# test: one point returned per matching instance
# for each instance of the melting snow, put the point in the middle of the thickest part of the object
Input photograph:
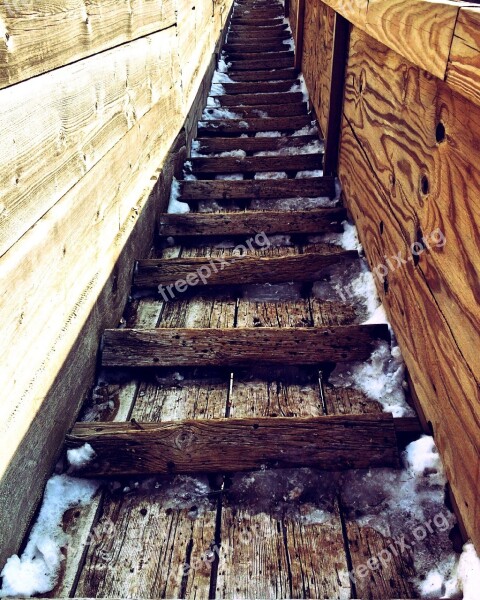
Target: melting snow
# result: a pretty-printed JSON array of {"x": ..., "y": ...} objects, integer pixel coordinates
[
  {"x": 271, "y": 175},
  {"x": 80, "y": 457},
  {"x": 175, "y": 206}
]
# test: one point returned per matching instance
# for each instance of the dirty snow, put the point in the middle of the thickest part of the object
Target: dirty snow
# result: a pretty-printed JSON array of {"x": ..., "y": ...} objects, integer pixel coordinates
[
  {"x": 218, "y": 113},
  {"x": 268, "y": 134},
  {"x": 310, "y": 148},
  {"x": 36, "y": 571},
  {"x": 80, "y": 457},
  {"x": 311, "y": 173},
  {"x": 230, "y": 177},
  {"x": 271, "y": 175}
]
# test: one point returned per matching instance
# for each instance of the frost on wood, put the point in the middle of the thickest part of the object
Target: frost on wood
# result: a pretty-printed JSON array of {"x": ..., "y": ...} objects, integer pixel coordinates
[{"x": 36, "y": 571}]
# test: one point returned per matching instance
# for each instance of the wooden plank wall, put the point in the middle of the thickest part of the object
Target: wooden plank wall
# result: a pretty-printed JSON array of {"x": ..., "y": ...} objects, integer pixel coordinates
[
  {"x": 87, "y": 151},
  {"x": 407, "y": 168}
]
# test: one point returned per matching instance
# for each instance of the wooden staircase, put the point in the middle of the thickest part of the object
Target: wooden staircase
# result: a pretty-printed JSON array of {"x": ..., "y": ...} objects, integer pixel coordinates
[{"x": 216, "y": 382}]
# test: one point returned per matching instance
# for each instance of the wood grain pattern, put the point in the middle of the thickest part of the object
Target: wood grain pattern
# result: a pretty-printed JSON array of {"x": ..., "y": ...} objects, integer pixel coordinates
[
  {"x": 258, "y": 98},
  {"x": 250, "y": 223},
  {"x": 290, "y": 109},
  {"x": 237, "y": 444},
  {"x": 43, "y": 35},
  {"x": 317, "y": 57},
  {"x": 237, "y": 270},
  {"x": 355, "y": 12},
  {"x": 254, "y": 144},
  {"x": 87, "y": 108},
  {"x": 392, "y": 137},
  {"x": 204, "y": 347},
  {"x": 463, "y": 72},
  {"x": 262, "y": 87},
  {"x": 193, "y": 191},
  {"x": 265, "y": 75}
]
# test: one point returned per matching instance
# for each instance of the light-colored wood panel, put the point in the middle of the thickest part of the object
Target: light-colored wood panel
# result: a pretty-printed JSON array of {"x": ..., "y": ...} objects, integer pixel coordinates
[
  {"x": 55, "y": 128},
  {"x": 62, "y": 263},
  {"x": 354, "y": 11},
  {"x": 419, "y": 30},
  {"x": 463, "y": 73},
  {"x": 42, "y": 35},
  {"x": 388, "y": 144}
]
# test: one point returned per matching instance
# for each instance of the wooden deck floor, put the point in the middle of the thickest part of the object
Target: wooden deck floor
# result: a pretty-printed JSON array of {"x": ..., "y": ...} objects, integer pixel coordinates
[{"x": 269, "y": 533}]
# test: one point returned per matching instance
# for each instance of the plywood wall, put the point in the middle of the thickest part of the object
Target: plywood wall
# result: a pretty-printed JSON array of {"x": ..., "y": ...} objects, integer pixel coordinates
[
  {"x": 408, "y": 172},
  {"x": 82, "y": 147}
]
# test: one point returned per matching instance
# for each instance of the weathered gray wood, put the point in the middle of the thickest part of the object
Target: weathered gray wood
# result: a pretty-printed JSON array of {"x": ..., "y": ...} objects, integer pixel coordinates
[
  {"x": 238, "y": 270},
  {"x": 260, "y": 144},
  {"x": 193, "y": 191},
  {"x": 257, "y": 48},
  {"x": 258, "y": 64},
  {"x": 262, "y": 87},
  {"x": 229, "y": 445},
  {"x": 257, "y": 21},
  {"x": 229, "y": 347},
  {"x": 256, "y": 164},
  {"x": 251, "y": 223},
  {"x": 252, "y": 125},
  {"x": 254, "y": 98}
]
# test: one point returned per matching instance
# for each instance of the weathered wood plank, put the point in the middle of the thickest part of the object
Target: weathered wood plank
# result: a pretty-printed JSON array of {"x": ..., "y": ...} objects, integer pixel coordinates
[
  {"x": 439, "y": 292},
  {"x": 41, "y": 36},
  {"x": 269, "y": 62},
  {"x": 290, "y": 109},
  {"x": 239, "y": 126},
  {"x": 250, "y": 223},
  {"x": 265, "y": 75},
  {"x": 262, "y": 87},
  {"x": 463, "y": 72},
  {"x": 244, "y": 54},
  {"x": 238, "y": 37},
  {"x": 256, "y": 47},
  {"x": 355, "y": 12},
  {"x": 193, "y": 191},
  {"x": 87, "y": 109},
  {"x": 255, "y": 164},
  {"x": 253, "y": 99},
  {"x": 175, "y": 347},
  {"x": 237, "y": 270},
  {"x": 229, "y": 445},
  {"x": 257, "y": 21},
  {"x": 256, "y": 144}
]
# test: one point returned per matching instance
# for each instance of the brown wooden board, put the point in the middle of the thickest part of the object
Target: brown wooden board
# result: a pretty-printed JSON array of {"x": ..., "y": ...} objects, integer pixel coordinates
[
  {"x": 247, "y": 55},
  {"x": 290, "y": 109},
  {"x": 252, "y": 125},
  {"x": 269, "y": 62},
  {"x": 236, "y": 270},
  {"x": 254, "y": 98},
  {"x": 225, "y": 164},
  {"x": 463, "y": 71},
  {"x": 229, "y": 445},
  {"x": 193, "y": 191},
  {"x": 257, "y": 47},
  {"x": 250, "y": 223},
  {"x": 264, "y": 75},
  {"x": 207, "y": 347},
  {"x": 256, "y": 144},
  {"x": 262, "y": 87}
]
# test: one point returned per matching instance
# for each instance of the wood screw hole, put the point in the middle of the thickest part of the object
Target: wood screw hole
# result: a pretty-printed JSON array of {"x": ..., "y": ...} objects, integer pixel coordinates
[
  {"x": 440, "y": 133},
  {"x": 425, "y": 185}
]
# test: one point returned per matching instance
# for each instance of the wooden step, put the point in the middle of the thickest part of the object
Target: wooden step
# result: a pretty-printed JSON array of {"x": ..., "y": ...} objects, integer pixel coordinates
[
  {"x": 238, "y": 37},
  {"x": 171, "y": 347},
  {"x": 269, "y": 62},
  {"x": 258, "y": 13},
  {"x": 246, "y": 55},
  {"x": 251, "y": 98},
  {"x": 257, "y": 48},
  {"x": 236, "y": 270},
  {"x": 310, "y": 187},
  {"x": 256, "y": 164},
  {"x": 250, "y": 223},
  {"x": 262, "y": 87},
  {"x": 275, "y": 110},
  {"x": 254, "y": 144},
  {"x": 259, "y": 27},
  {"x": 225, "y": 445},
  {"x": 265, "y": 75},
  {"x": 258, "y": 21},
  {"x": 239, "y": 126}
]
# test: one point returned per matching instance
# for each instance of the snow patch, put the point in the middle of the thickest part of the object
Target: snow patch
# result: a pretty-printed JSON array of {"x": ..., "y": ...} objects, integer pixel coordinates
[
  {"x": 307, "y": 174},
  {"x": 349, "y": 239},
  {"x": 268, "y": 134},
  {"x": 218, "y": 113},
  {"x": 271, "y": 175},
  {"x": 37, "y": 570},
  {"x": 80, "y": 457},
  {"x": 230, "y": 177},
  {"x": 175, "y": 207}
]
